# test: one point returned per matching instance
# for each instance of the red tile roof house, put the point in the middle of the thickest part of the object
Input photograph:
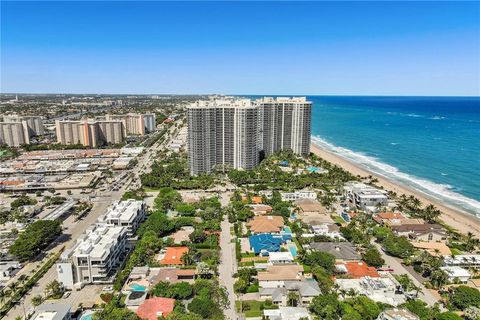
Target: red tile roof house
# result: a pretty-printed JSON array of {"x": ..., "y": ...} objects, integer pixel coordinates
[
  {"x": 153, "y": 308},
  {"x": 357, "y": 270}
]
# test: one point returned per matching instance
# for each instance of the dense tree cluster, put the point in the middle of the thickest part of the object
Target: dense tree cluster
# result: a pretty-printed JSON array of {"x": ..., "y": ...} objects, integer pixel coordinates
[{"x": 37, "y": 236}]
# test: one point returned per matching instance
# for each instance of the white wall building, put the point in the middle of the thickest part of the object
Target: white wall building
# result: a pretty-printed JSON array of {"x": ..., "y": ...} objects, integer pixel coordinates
[
  {"x": 457, "y": 273},
  {"x": 365, "y": 197},
  {"x": 301, "y": 194},
  {"x": 463, "y": 260},
  {"x": 378, "y": 289},
  {"x": 94, "y": 258},
  {"x": 14, "y": 134},
  {"x": 129, "y": 214},
  {"x": 52, "y": 311},
  {"x": 397, "y": 314}
]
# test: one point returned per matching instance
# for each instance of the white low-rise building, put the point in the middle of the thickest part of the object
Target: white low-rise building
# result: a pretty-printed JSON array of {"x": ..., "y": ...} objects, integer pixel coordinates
[
  {"x": 287, "y": 313},
  {"x": 463, "y": 260},
  {"x": 397, "y": 314},
  {"x": 129, "y": 213},
  {"x": 95, "y": 257},
  {"x": 385, "y": 290},
  {"x": 365, "y": 197},
  {"x": 52, "y": 311},
  {"x": 330, "y": 230},
  {"x": 280, "y": 257},
  {"x": 457, "y": 274},
  {"x": 301, "y": 194}
]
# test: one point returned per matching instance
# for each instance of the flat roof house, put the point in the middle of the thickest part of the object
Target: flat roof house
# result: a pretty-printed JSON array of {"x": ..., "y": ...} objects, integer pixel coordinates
[
  {"x": 397, "y": 314},
  {"x": 287, "y": 313},
  {"x": 129, "y": 214},
  {"x": 52, "y": 311}
]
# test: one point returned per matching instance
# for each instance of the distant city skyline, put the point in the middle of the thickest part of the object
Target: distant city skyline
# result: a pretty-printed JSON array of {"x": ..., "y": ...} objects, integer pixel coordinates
[{"x": 242, "y": 48}]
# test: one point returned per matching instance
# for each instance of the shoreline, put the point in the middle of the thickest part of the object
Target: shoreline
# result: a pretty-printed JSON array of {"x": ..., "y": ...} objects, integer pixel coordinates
[{"x": 459, "y": 220}]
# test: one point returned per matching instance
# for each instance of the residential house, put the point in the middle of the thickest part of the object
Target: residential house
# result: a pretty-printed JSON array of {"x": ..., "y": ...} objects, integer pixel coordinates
[
  {"x": 356, "y": 270},
  {"x": 463, "y": 260},
  {"x": 52, "y": 311},
  {"x": 330, "y": 230},
  {"x": 421, "y": 232},
  {"x": 457, "y": 274},
  {"x": 174, "y": 275},
  {"x": 287, "y": 313},
  {"x": 260, "y": 209},
  {"x": 397, "y": 314},
  {"x": 266, "y": 224},
  {"x": 276, "y": 275},
  {"x": 280, "y": 258},
  {"x": 365, "y": 197},
  {"x": 309, "y": 206},
  {"x": 172, "y": 256},
  {"x": 343, "y": 251},
  {"x": 383, "y": 289},
  {"x": 153, "y": 308},
  {"x": 305, "y": 289},
  {"x": 301, "y": 194},
  {"x": 265, "y": 243}
]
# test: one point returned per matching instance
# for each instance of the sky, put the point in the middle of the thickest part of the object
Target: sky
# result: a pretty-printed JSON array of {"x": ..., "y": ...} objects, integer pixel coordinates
[{"x": 324, "y": 48}]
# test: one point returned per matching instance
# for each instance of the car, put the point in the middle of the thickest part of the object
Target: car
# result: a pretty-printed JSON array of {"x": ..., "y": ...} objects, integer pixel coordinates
[
  {"x": 107, "y": 289},
  {"x": 66, "y": 295}
]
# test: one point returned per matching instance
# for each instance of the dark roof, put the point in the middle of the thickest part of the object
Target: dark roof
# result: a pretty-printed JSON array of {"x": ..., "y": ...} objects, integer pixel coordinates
[{"x": 341, "y": 250}]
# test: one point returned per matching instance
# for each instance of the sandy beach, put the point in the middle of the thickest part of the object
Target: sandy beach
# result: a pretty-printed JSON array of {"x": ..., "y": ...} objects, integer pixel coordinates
[{"x": 463, "y": 222}]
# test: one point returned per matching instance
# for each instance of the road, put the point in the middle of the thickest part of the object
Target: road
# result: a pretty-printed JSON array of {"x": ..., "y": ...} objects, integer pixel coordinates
[
  {"x": 72, "y": 230},
  {"x": 399, "y": 268},
  {"x": 228, "y": 262}
]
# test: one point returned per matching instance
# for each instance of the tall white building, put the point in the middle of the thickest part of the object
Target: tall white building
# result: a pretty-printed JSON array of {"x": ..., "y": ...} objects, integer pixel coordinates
[
  {"x": 236, "y": 133},
  {"x": 222, "y": 133},
  {"x": 284, "y": 123},
  {"x": 95, "y": 257}
]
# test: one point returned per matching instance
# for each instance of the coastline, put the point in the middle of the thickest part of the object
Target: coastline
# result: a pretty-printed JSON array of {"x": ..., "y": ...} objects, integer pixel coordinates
[{"x": 459, "y": 220}]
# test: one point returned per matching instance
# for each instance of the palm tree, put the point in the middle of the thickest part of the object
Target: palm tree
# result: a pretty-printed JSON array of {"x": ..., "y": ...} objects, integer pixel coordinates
[
  {"x": 471, "y": 242},
  {"x": 292, "y": 298},
  {"x": 187, "y": 258}
]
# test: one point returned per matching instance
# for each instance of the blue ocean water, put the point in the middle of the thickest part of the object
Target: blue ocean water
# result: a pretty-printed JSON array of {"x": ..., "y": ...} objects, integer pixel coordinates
[{"x": 429, "y": 143}]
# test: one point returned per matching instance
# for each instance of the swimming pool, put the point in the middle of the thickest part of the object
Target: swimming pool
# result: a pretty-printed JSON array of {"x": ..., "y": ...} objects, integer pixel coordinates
[
  {"x": 293, "y": 249},
  {"x": 137, "y": 287},
  {"x": 287, "y": 229}
]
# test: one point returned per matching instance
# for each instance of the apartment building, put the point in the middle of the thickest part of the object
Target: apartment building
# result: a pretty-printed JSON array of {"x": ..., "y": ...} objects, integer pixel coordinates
[
  {"x": 284, "y": 124},
  {"x": 135, "y": 124},
  {"x": 129, "y": 214},
  {"x": 222, "y": 133},
  {"x": 236, "y": 133},
  {"x": 34, "y": 124},
  {"x": 90, "y": 133},
  {"x": 14, "y": 134},
  {"x": 95, "y": 257}
]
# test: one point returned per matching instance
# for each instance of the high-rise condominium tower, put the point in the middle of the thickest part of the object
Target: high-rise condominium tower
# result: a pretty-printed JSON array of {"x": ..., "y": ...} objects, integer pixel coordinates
[
  {"x": 234, "y": 133},
  {"x": 90, "y": 133},
  {"x": 222, "y": 134},
  {"x": 284, "y": 123}
]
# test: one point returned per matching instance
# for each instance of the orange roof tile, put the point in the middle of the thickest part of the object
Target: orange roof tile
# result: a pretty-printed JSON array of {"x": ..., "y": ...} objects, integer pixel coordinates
[
  {"x": 173, "y": 255},
  {"x": 358, "y": 270},
  {"x": 390, "y": 215},
  {"x": 153, "y": 308}
]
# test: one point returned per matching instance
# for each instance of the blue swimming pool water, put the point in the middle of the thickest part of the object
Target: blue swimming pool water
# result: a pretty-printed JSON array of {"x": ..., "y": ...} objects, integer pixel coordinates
[
  {"x": 287, "y": 229},
  {"x": 293, "y": 250},
  {"x": 87, "y": 317},
  {"x": 137, "y": 287}
]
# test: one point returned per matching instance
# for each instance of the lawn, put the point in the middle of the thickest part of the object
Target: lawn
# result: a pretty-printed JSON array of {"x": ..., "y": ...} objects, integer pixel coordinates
[{"x": 253, "y": 308}]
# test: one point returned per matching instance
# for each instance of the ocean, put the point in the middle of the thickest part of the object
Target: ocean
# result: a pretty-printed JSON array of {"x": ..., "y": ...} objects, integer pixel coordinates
[{"x": 431, "y": 144}]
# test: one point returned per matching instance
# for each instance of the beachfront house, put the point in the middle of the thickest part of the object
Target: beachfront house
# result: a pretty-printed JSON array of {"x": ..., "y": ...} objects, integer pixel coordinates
[{"x": 365, "y": 197}]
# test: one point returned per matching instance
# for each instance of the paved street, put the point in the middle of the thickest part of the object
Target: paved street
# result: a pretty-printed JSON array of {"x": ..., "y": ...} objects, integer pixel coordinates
[
  {"x": 227, "y": 267},
  {"x": 398, "y": 268},
  {"x": 72, "y": 230}
]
